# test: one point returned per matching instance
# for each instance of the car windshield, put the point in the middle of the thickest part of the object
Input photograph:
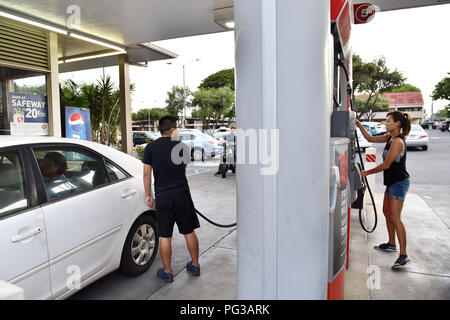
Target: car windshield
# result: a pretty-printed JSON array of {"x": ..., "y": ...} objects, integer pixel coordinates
[{"x": 416, "y": 128}]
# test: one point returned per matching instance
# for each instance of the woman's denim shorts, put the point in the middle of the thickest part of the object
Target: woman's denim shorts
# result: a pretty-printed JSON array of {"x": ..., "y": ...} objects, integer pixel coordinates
[{"x": 398, "y": 190}]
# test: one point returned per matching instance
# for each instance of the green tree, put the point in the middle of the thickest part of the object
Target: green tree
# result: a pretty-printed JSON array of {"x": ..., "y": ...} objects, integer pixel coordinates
[
  {"x": 382, "y": 104},
  {"x": 223, "y": 78},
  {"x": 202, "y": 102},
  {"x": 404, "y": 88},
  {"x": 41, "y": 90},
  {"x": 442, "y": 92},
  {"x": 442, "y": 114},
  {"x": 372, "y": 79},
  {"x": 213, "y": 105},
  {"x": 177, "y": 97},
  {"x": 155, "y": 114},
  {"x": 442, "y": 89}
]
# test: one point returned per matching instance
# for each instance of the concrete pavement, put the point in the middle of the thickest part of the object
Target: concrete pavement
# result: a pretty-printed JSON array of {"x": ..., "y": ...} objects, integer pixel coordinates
[
  {"x": 369, "y": 276},
  {"x": 427, "y": 276}
]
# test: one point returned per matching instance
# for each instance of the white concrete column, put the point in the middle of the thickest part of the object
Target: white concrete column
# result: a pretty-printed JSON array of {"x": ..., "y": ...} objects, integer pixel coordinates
[
  {"x": 52, "y": 80},
  {"x": 282, "y": 82},
  {"x": 125, "y": 104}
]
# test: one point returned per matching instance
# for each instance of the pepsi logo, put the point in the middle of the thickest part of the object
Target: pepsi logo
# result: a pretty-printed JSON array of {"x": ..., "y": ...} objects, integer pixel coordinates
[{"x": 76, "y": 121}]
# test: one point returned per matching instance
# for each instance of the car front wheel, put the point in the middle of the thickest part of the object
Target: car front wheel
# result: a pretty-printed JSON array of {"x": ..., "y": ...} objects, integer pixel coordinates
[
  {"x": 198, "y": 154},
  {"x": 140, "y": 247}
]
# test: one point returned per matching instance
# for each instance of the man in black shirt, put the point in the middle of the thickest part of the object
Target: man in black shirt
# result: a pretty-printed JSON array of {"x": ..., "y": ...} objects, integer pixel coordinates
[{"x": 167, "y": 158}]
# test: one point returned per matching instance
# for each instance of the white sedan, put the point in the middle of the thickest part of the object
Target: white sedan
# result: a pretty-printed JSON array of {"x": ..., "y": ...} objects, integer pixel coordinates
[
  {"x": 71, "y": 211},
  {"x": 417, "y": 137}
]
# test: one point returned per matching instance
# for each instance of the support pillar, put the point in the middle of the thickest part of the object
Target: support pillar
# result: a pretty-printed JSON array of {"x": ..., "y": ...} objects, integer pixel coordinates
[
  {"x": 125, "y": 105},
  {"x": 52, "y": 81},
  {"x": 283, "y": 82}
]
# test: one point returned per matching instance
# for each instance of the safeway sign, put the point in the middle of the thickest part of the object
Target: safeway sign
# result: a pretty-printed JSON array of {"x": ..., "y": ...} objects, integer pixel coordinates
[
  {"x": 28, "y": 114},
  {"x": 364, "y": 12}
]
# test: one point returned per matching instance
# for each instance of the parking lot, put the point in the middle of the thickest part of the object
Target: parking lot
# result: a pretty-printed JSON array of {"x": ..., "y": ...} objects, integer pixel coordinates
[{"x": 429, "y": 171}]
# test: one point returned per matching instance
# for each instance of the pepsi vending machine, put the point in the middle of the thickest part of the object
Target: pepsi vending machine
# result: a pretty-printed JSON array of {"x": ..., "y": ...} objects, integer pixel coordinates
[{"x": 78, "y": 123}]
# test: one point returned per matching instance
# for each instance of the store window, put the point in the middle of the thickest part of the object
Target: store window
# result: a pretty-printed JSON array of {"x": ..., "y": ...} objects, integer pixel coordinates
[{"x": 23, "y": 102}]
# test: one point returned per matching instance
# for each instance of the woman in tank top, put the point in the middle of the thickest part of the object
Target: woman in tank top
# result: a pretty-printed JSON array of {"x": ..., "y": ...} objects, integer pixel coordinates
[{"x": 396, "y": 179}]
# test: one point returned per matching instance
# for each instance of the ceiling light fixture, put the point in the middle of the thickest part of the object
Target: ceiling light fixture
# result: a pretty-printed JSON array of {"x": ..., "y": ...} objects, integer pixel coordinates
[
  {"x": 101, "y": 43},
  {"x": 34, "y": 23},
  {"x": 92, "y": 56}
]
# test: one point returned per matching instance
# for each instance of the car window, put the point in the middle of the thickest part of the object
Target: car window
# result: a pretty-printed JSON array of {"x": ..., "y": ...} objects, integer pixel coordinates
[
  {"x": 184, "y": 137},
  {"x": 12, "y": 184},
  {"x": 416, "y": 128},
  {"x": 114, "y": 173},
  {"x": 69, "y": 170}
]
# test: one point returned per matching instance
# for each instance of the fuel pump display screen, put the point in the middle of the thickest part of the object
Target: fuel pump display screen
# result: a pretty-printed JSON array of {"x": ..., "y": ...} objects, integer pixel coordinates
[{"x": 338, "y": 217}]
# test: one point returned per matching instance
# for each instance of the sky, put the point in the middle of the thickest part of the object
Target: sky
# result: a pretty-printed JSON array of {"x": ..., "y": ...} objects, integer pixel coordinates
[
  {"x": 215, "y": 51},
  {"x": 414, "y": 41}
]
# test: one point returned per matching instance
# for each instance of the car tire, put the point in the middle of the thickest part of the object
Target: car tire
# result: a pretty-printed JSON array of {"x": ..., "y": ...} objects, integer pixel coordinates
[
  {"x": 132, "y": 251},
  {"x": 425, "y": 148},
  {"x": 198, "y": 154}
]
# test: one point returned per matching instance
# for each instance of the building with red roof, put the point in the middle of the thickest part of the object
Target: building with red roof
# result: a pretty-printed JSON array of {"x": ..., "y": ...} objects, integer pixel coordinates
[{"x": 410, "y": 102}]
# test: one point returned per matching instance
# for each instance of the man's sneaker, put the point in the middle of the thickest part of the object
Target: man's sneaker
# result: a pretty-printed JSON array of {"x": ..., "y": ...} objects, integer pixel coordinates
[
  {"x": 194, "y": 270},
  {"x": 400, "y": 262},
  {"x": 168, "y": 276},
  {"x": 386, "y": 247}
]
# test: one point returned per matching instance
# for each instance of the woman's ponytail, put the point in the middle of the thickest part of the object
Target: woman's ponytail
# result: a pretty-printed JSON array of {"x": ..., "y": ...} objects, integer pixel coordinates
[{"x": 406, "y": 126}]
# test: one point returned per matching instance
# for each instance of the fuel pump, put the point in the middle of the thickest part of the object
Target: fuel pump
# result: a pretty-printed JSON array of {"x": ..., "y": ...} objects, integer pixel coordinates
[
  {"x": 344, "y": 174},
  {"x": 346, "y": 185}
]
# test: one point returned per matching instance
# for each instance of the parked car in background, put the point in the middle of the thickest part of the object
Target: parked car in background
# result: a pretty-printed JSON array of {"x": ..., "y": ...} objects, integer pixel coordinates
[
  {"x": 221, "y": 133},
  {"x": 141, "y": 137},
  {"x": 70, "y": 208},
  {"x": 200, "y": 144},
  {"x": 417, "y": 137},
  {"x": 363, "y": 143},
  {"x": 370, "y": 128},
  {"x": 425, "y": 124},
  {"x": 374, "y": 128},
  {"x": 444, "y": 126}
]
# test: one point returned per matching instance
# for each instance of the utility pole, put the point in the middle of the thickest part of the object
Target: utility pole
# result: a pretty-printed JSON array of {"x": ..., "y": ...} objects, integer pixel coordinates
[
  {"x": 184, "y": 96},
  {"x": 431, "y": 118},
  {"x": 184, "y": 87},
  {"x": 149, "y": 123}
]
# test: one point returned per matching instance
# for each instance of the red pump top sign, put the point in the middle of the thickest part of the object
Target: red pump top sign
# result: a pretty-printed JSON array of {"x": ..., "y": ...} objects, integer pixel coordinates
[{"x": 340, "y": 13}]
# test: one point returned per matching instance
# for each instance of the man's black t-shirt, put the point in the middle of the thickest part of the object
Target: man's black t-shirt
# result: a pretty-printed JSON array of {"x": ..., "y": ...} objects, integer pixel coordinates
[{"x": 166, "y": 158}]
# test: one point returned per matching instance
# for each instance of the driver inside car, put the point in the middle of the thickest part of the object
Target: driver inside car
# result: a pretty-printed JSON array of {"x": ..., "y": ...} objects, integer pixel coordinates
[{"x": 56, "y": 183}]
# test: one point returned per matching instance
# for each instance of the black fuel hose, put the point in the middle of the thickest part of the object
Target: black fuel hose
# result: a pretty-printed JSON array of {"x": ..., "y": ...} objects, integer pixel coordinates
[
  {"x": 215, "y": 223},
  {"x": 365, "y": 182},
  {"x": 361, "y": 164}
]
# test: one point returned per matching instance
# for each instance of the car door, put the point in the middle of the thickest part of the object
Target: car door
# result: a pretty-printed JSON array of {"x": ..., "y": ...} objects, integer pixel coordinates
[
  {"x": 187, "y": 139},
  {"x": 23, "y": 242},
  {"x": 85, "y": 212}
]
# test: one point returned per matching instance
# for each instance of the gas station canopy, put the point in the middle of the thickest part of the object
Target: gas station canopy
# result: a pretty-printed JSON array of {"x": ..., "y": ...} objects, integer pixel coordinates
[{"x": 133, "y": 24}]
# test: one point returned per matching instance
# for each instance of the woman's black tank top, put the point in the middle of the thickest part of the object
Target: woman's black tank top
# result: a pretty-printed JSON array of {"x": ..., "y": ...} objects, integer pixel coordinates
[{"x": 397, "y": 171}]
